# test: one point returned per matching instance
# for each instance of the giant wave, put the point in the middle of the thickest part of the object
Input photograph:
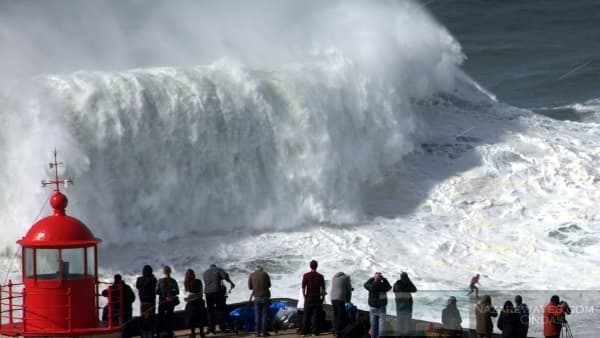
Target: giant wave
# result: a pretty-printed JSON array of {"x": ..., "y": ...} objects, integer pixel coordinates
[{"x": 174, "y": 150}]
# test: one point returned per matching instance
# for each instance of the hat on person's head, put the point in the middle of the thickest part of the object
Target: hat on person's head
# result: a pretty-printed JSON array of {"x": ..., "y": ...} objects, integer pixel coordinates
[{"x": 118, "y": 278}]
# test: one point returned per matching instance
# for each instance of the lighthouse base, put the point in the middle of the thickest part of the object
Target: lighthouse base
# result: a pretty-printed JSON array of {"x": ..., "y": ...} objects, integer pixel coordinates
[
  {"x": 16, "y": 330},
  {"x": 118, "y": 334}
]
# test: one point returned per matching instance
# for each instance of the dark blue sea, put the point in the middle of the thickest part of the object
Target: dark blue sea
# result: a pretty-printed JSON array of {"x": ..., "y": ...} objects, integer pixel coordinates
[{"x": 540, "y": 55}]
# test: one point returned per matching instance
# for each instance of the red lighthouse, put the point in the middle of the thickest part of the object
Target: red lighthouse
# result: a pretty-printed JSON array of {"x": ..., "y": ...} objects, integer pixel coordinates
[{"x": 58, "y": 295}]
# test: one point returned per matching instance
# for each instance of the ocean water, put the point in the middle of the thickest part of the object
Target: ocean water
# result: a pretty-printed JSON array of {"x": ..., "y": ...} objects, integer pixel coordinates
[{"x": 439, "y": 138}]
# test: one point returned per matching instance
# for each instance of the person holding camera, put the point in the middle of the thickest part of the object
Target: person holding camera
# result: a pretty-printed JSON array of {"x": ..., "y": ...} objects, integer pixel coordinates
[
  {"x": 216, "y": 296},
  {"x": 377, "y": 286},
  {"x": 554, "y": 316}
]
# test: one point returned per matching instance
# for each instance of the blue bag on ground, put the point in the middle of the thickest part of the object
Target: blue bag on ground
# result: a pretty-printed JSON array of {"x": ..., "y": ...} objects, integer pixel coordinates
[{"x": 244, "y": 315}]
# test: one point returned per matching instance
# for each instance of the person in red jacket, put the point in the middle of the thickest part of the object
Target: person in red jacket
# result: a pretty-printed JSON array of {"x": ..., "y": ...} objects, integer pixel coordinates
[
  {"x": 552, "y": 318},
  {"x": 313, "y": 290},
  {"x": 473, "y": 287}
]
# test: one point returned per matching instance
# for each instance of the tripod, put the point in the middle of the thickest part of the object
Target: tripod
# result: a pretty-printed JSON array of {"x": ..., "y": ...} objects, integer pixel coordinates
[{"x": 566, "y": 330}]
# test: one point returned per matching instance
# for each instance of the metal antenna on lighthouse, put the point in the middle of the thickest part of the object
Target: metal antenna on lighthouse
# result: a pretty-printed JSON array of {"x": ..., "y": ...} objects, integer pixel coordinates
[{"x": 54, "y": 165}]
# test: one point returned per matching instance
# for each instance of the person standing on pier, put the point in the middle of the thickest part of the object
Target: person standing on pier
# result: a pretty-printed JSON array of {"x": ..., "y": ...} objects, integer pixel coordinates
[
  {"x": 146, "y": 286},
  {"x": 451, "y": 316},
  {"x": 167, "y": 290},
  {"x": 260, "y": 283},
  {"x": 508, "y": 321},
  {"x": 341, "y": 293},
  {"x": 216, "y": 293},
  {"x": 404, "y": 304},
  {"x": 313, "y": 289},
  {"x": 552, "y": 319},
  {"x": 484, "y": 311},
  {"x": 377, "y": 286},
  {"x": 195, "y": 309},
  {"x": 523, "y": 311}
]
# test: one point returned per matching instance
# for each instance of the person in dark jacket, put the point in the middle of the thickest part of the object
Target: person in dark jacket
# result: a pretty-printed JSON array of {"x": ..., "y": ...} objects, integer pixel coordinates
[
  {"x": 341, "y": 293},
  {"x": 216, "y": 296},
  {"x": 377, "y": 286},
  {"x": 313, "y": 290},
  {"x": 260, "y": 283},
  {"x": 168, "y": 297},
  {"x": 523, "y": 311},
  {"x": 451, "y": 316},
  {"x": 121, "y": 298},
  {"x": 404, "y": 304},
  {"x": 195, "y": 308},
  {"x": 508, "y": 322},
  {"x": 146, "y": 286}
]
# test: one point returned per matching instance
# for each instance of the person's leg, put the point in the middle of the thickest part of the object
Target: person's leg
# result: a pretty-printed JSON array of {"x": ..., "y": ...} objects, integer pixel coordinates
[
  {"x": 258, "y": 308},
  {"x": 307, "y": 317},
  {"x": 265, "y": 317},
  {"x": 344, "y": 316},
  {"x": 300, "y": 321},
  {"x": 337, "y": 315},
  {"x": 189, "y": 321},
  {"x": 381, "y": 325},
  {"x": 374, "y": 321},
  {"x": 317, "y": 317},
  {"x": 220, "y": 312},
  {"x": 210, "y": 308},
  {"x": 169, "y": 318},
  {"x": 161, "y": 318}
]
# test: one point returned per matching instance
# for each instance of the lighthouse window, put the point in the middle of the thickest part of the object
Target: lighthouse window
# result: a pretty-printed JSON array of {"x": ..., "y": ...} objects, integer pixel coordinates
[
  {"x": 72, "y": 263},
  {"x": 91, "y": 262},
  {"x": 46, "y": 263},
  {"x": 28, "y": 263}
]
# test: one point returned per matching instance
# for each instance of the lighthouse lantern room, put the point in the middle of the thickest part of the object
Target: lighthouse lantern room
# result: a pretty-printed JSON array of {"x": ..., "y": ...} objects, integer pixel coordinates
[{"x": 58, "y": 296}]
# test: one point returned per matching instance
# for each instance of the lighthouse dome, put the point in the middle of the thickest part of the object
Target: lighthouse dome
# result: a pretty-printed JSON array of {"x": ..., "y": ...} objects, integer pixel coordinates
[{"x": 58, "y": 230}]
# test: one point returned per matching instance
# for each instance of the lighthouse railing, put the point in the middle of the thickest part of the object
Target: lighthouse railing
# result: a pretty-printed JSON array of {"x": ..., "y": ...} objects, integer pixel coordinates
[
  {"x": 11, "y": 303},
  {"x": 12, "y": 317},
  {"x": 113, "y": 310},
  {"x": 12, "y": 309}
]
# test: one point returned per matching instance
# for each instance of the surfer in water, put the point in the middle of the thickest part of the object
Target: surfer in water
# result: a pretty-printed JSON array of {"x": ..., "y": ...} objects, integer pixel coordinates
[{"x": 473, "y": 286}]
